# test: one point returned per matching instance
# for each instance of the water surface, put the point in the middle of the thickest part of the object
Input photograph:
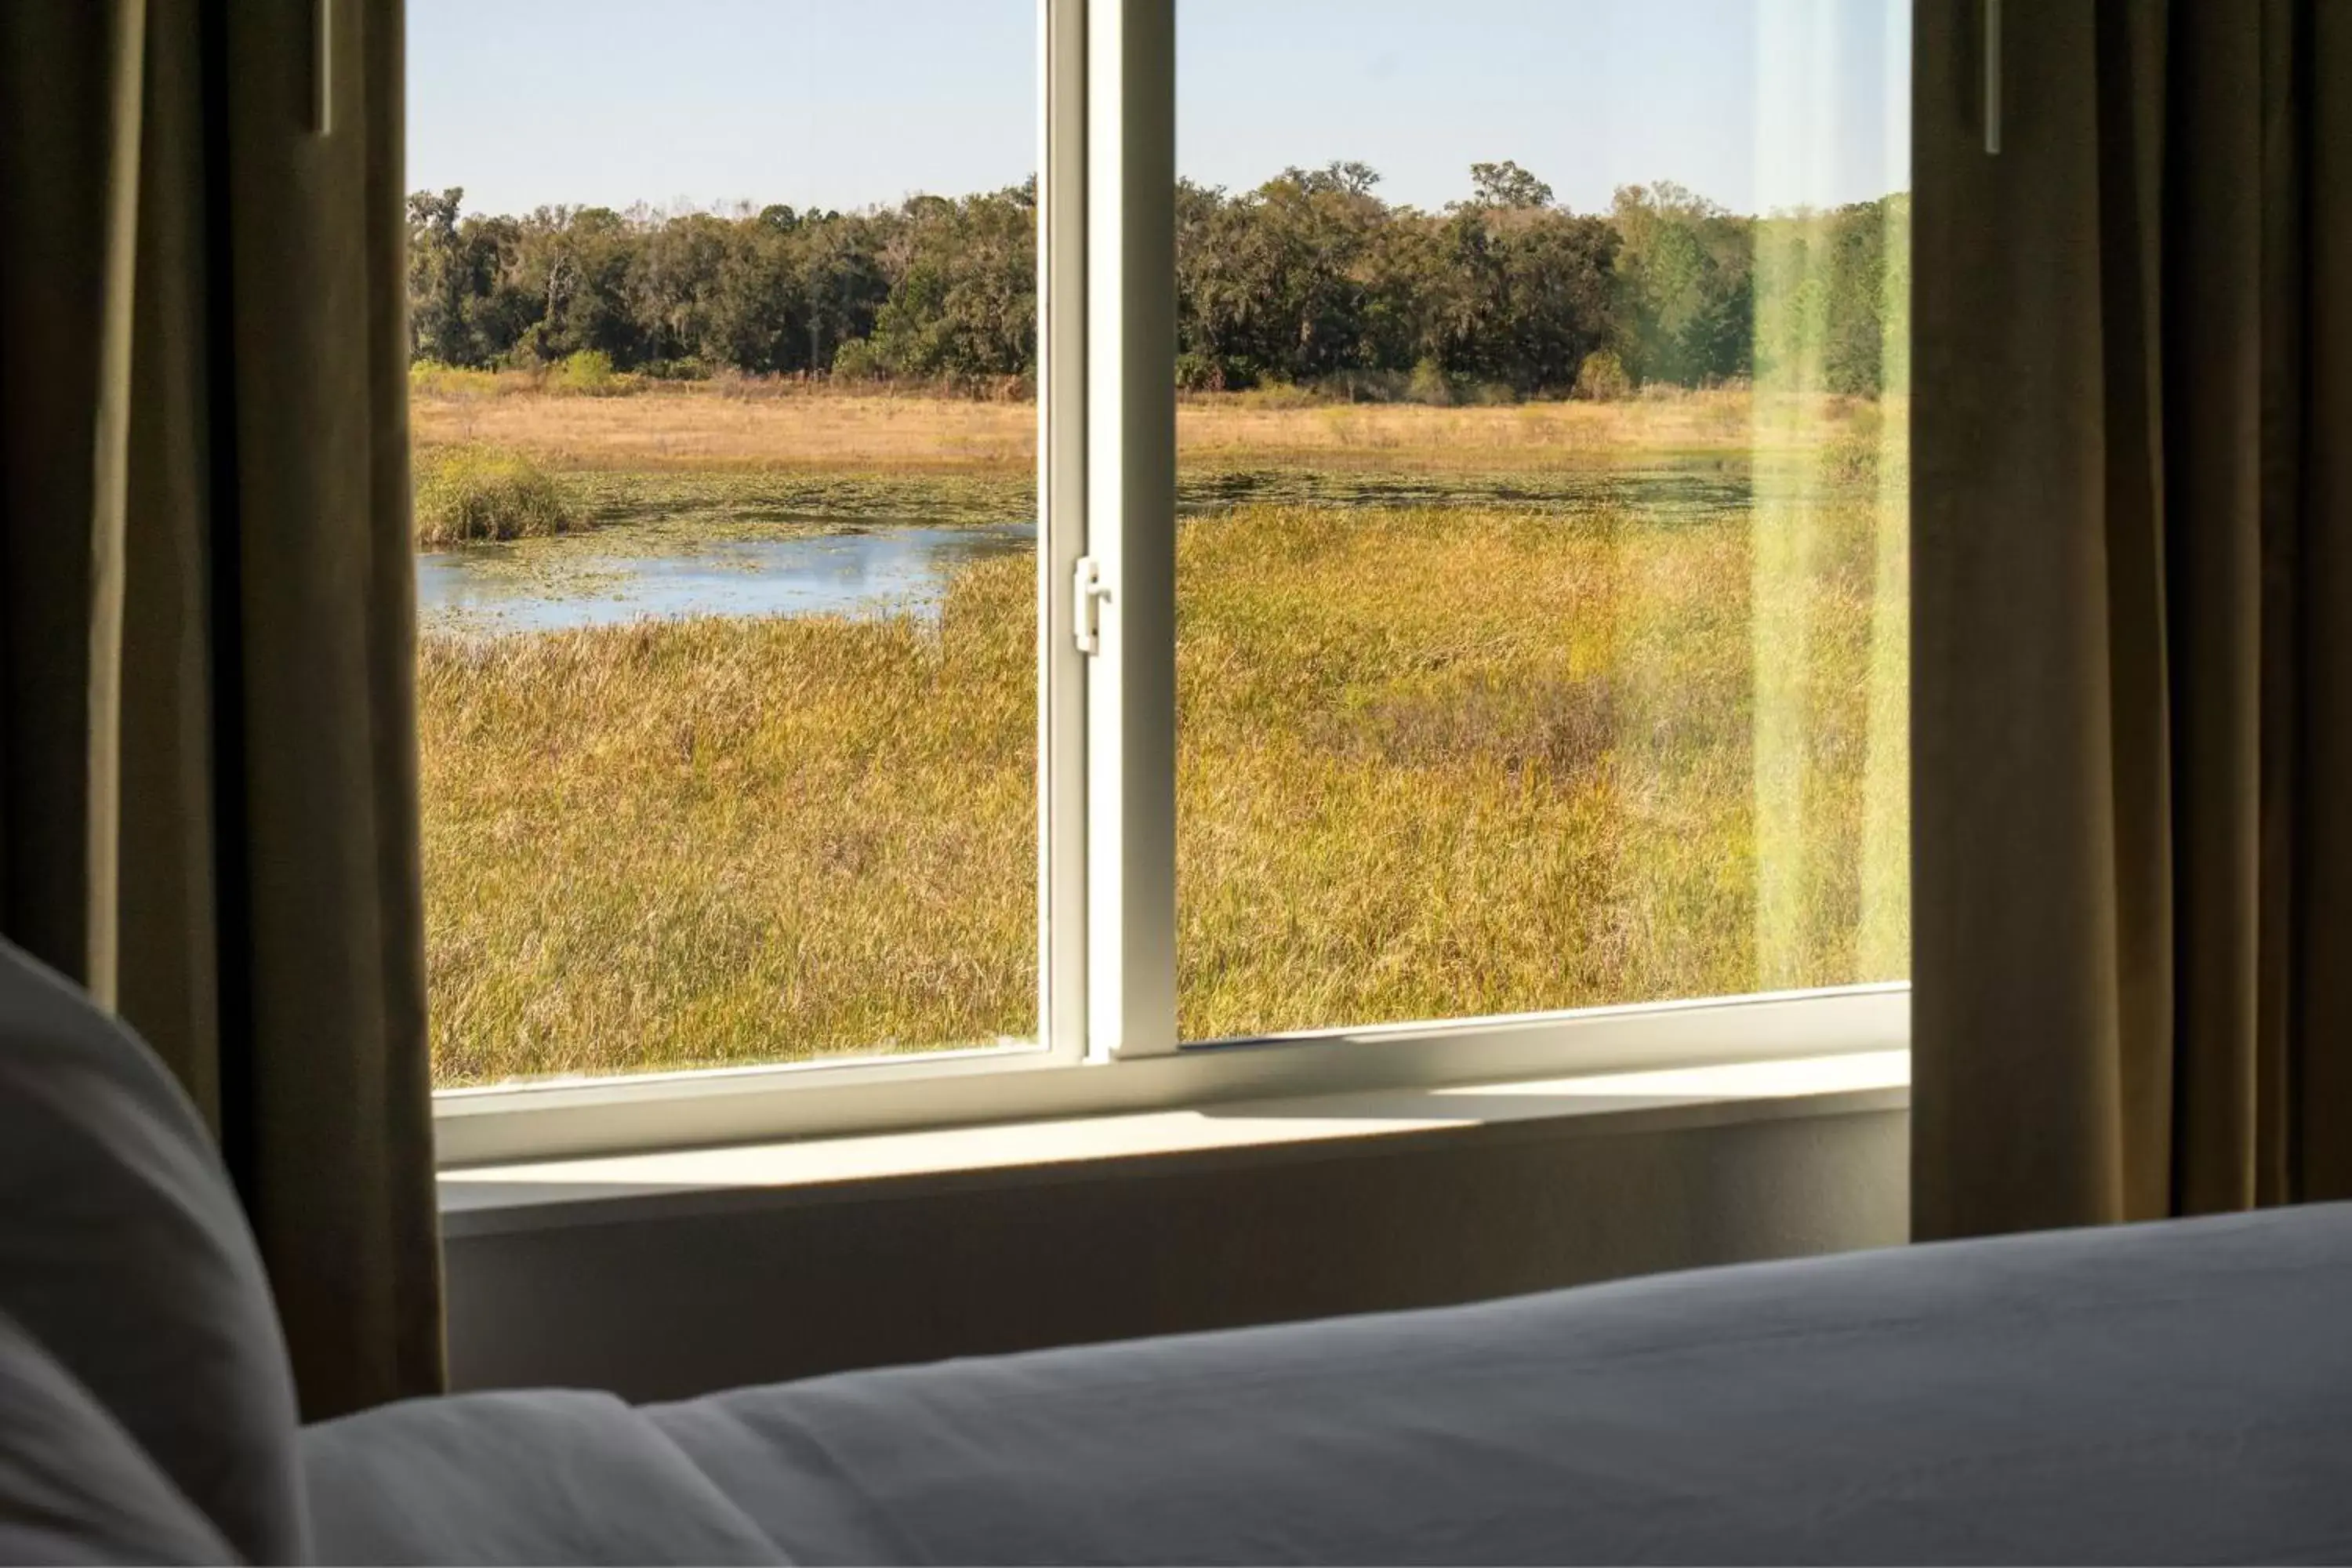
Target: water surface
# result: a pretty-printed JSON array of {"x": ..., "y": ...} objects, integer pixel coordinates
[
  {"x": 880, "y": 570},
  {"x": 829, "y": 565}
]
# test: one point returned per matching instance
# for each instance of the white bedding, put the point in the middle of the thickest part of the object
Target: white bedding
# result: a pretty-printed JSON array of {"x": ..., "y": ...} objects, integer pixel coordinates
[{"x": 2152, "y": 1393}]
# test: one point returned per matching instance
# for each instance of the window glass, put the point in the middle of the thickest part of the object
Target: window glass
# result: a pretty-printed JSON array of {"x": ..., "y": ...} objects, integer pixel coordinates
[
  {"x": 723, "y": 316},
  {"x": 1542, "y": 494}
]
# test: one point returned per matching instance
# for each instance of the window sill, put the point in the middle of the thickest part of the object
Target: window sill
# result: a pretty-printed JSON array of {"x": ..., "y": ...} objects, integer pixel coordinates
[
  {"x": 498, "y": 1198},
  {"x": 591, "y": 1119}
]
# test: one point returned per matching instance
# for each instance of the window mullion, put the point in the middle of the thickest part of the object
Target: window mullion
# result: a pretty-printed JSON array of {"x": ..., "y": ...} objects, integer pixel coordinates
[
  {"x": 1130, "y": 435},
  {"x": 1062, "y": 531}
]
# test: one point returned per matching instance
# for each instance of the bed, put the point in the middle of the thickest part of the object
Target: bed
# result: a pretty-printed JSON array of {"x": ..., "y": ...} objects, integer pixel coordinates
[
  {"x": 2161, "y": 1393},
  {"x": 2166, "y": 1393}
]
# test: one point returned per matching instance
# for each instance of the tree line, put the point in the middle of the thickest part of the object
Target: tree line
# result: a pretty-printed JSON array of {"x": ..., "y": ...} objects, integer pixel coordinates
[{"x": 1310, "y": 279}]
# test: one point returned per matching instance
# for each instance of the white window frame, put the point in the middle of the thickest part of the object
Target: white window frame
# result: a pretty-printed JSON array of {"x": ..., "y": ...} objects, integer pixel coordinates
[
  {"x": 1130, "y": 404},
  {"x": 1107, "y": 752}
]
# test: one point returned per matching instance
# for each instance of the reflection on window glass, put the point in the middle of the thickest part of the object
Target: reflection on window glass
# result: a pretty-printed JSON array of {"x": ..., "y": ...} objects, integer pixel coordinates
[
  {"x": 1541, "y": 570},
  {"x": 724, "y": 446}
]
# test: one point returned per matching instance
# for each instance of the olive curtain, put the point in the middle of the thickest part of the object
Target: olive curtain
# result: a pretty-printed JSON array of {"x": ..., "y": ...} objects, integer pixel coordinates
[
  {"x": 207, "y": 749},
  {"x": 2132, "y": 583}
]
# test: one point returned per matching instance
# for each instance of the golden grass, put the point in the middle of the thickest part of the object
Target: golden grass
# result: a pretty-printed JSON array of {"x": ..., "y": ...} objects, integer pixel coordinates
[
  {"x": 717, "y": 426},
  {"x": 715, "y": 840},
  {"x": 1433, "y": 761},
  {"x": 728, "y": 839},
  {"x": 701, "y": 426},
  {"x": 1436, "y": 764},
  {"x": 1237, "y": 431}
]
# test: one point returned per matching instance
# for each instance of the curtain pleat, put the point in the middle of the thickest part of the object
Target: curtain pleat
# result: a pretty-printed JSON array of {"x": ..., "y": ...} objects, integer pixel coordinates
[
  {"x": 2314, "y": 1118},
  {"x": 210, "y": 812},
  {"x": 69, "y": 146},
  {"x": 2133, "y": 631}
]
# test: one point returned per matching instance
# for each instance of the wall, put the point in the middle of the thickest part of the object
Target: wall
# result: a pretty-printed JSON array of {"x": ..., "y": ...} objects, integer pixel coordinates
[{"x": 667, "y": 1307}]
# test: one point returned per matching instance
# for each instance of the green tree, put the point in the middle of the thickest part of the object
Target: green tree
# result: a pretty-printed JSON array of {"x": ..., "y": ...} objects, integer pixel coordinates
[
  {"x": 1834, "y": 297},
  {"x": 963, "y": 304},
  {"x": 1310, "y": 278},
  {"x": 437, "y": 285},
  {"x": 1517, "y": 292},
  {"x": 1685, "y": 302},
  {"x": 1507, "y": 186}
]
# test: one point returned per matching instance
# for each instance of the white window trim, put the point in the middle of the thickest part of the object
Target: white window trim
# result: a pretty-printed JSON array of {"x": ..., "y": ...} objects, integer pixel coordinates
[
  {"x": 1062, "y": 466},
  {"x": 562, "y": 1118},
  {"x": 1244, "y": 1133},
  {"x": 1130, "y": 400},
  {"x": 1107, "y": 754}
]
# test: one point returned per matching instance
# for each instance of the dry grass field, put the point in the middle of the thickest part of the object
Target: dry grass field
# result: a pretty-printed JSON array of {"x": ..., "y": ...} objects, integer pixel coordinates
[{"x": 741, "y": 425}]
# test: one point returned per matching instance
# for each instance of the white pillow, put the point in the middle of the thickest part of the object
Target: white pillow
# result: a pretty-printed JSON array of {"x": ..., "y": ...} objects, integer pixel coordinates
[{"x": 124, "y": 1255}]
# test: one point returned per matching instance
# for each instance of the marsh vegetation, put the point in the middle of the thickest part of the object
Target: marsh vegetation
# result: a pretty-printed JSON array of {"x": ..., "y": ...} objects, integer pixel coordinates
[{"x": 1483, "y": 709}]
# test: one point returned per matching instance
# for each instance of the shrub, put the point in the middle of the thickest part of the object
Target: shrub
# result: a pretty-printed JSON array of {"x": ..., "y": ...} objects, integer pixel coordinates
[
  {"x": 431, "y": 378},
  {"x": 1602, "y": 378},
  {"x": 589, "y": 372},
  {"x": 1429, "y": 384},
  {"x": 1197, "y": 371},
  {"x": 995, "y": 388},
  {"x": 466, "y": 494},
  {"x": 1361, "y": 385},
  {"x": 857, "y": 360},
  {"x": 1279, "y": 394}
]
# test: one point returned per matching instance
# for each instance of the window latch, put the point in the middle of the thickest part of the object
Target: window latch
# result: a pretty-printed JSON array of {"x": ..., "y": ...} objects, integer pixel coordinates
[{"x": 1088, "y": 591}]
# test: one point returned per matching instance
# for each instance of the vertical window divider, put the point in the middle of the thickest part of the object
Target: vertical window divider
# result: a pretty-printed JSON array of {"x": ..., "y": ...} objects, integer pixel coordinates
[
  {"x": 1130, "y": 487},
  {"x": 1061, "y": 526}
]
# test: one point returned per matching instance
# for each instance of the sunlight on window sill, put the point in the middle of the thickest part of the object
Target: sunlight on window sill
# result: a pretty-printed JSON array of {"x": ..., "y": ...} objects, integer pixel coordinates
[{"x": 568, "y": 1192}]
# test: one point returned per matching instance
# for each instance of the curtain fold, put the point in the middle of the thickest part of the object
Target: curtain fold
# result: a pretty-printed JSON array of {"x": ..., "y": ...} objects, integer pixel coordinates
[
  {"x": 2132, "y": 587},
  {"x": 207, "y": 759}
]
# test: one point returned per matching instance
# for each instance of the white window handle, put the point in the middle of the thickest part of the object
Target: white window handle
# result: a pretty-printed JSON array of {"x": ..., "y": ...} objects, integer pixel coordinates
[{"x": 1088, "y": 591}]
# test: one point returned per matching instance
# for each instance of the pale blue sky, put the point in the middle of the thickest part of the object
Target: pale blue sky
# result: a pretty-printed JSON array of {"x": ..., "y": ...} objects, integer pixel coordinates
[{"x": 1757, "y": 103}]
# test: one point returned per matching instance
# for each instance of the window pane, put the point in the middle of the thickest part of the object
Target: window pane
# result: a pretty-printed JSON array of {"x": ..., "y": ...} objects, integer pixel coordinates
[
  {"x": 724, "y": 446},
  {"x": 1541, "y": 570}
]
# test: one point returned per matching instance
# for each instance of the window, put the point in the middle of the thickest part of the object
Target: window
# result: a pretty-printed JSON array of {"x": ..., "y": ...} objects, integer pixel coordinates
[
  {"x": 727, "y": 507},
  {"x": 1372, "y": 541},
  {"x": 1541, "y": 586}
]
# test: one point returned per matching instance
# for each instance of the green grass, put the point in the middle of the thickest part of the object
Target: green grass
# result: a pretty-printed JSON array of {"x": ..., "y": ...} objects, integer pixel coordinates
[{"x": 1495, "y": 750}]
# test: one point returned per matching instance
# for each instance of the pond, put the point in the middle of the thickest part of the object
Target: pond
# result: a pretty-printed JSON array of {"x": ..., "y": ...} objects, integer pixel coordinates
[
  {"x": 789, "y": 562},
  {"x": 858, "y": 570}
]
